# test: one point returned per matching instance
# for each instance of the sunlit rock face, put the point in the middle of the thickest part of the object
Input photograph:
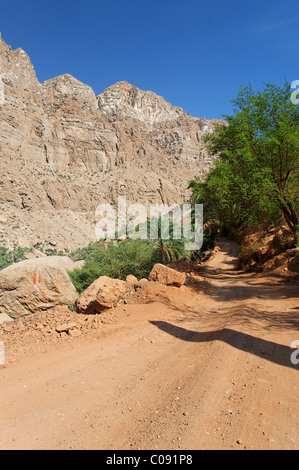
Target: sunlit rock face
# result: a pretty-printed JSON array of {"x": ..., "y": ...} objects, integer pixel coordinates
[{"x": 63, "y": 151}]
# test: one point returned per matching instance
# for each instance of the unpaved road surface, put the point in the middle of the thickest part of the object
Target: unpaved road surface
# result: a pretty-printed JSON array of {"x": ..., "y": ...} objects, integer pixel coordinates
[{"x": 204, "y": 366}]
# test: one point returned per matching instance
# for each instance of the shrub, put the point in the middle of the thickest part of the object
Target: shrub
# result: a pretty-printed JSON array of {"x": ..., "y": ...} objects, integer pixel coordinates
[{"x": 118, "y": 259}]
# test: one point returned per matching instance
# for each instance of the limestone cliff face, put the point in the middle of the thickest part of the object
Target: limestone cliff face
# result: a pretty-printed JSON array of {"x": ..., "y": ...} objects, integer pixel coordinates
[
  {"x": 63, "y": 151},
  {"x": 122, "y": 101}
]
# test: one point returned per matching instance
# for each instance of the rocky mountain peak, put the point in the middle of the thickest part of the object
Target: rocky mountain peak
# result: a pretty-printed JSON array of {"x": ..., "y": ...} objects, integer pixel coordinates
[
  {"x": 16, "y": 68},
  {"x": 67, "y": 85},
  {"x": 63, "y": 151},
  {"x": 125, "y": 101}
]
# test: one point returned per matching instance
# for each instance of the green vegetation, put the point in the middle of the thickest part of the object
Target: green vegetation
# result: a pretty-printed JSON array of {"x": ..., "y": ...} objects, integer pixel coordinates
[
  {"x": 15, "y": 255},
  {"x": 8, "y": 257},
  {"x": 255, "y": 181},
  {"x": 118, "y": 259}
]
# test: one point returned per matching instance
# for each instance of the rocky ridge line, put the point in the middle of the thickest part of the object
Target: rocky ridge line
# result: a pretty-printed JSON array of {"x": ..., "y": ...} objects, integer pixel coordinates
[{"x": 63, "y": 151}]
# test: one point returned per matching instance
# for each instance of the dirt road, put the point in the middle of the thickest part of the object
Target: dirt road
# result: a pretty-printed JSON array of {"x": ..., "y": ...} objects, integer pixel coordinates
[{"x": 205, "y": 366}]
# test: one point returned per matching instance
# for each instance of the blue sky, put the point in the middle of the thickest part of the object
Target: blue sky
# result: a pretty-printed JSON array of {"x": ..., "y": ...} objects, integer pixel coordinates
[{"x": 194, "y": 53}]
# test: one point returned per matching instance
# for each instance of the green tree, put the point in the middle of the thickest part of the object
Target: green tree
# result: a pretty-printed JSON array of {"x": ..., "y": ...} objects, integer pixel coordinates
[{"x": 255, "y": 180}]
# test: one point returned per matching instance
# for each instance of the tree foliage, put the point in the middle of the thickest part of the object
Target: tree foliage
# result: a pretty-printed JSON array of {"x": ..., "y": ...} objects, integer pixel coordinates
[{"x": 255, "y": 180}]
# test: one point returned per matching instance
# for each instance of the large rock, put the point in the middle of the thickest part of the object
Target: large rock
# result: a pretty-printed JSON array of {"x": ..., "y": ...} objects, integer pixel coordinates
[
  {"x": 101, "y": 294},
  {"x": 294, "y": 263},
  {"x": 264, "y": 250},
  {"x": 283, "y": 239},
  {"x": 287, "y": 261},
  {"x": 168, "y": 276},
  {"x": 37, "y": 284}
]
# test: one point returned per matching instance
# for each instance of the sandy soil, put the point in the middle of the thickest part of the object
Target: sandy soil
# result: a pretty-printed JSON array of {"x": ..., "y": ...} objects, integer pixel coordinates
[{"x": 204, "y": 366}]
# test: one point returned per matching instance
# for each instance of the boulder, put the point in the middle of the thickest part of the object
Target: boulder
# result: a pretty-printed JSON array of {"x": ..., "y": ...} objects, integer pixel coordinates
[
  {"x": 143, "y": 282},
  {"x": 101, "y": 294},
  {"x": 288, "y": 261},
  {"x": 66, "y": 327},
  {"x": 276, "y": 262},
  {"x": 282, "y": 240},
  {"x": 264, "y": 250},
  {"x": 130, "y": 279},
  {"x": 35, "y": 285},
  {"x": 168, "y": 276}
]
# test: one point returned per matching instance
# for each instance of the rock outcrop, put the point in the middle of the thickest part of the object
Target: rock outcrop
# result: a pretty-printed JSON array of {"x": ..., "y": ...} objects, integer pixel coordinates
[
  {"x": 267, "y": 251},
  {"x": 168, "y": 276},
  {"x": 294, "y": 263},
  {"x": 63, "y": 151},
  {"x": 103, "y": 293},
  {"x": 35, "y": 285}
]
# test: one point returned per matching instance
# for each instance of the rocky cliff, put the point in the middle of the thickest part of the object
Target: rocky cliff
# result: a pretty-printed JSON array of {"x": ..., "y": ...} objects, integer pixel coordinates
[{"x": 63, "y": 151}]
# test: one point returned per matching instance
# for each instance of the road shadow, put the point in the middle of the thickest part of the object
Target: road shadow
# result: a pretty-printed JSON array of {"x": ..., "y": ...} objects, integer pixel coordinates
[
  {"x": 233, "y": 302},
  {"x": 267, "y": 350},
  {"x": 220, "y": 282},
  {"x": 224, "y": 269}
]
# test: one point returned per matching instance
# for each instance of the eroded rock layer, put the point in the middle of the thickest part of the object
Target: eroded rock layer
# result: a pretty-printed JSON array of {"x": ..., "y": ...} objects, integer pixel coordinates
[{"x": 63, "y": 151}]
